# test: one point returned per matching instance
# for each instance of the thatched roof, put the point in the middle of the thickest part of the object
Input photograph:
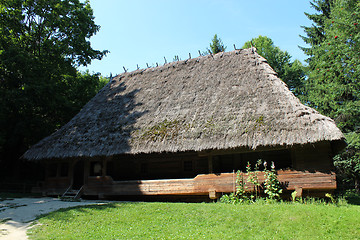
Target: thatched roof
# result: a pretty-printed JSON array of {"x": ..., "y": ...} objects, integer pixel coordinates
[{"x": 228, "y": 100}]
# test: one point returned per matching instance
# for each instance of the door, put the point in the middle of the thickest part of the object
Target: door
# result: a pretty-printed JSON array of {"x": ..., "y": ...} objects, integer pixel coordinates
[{"x": 78, "y": 175}]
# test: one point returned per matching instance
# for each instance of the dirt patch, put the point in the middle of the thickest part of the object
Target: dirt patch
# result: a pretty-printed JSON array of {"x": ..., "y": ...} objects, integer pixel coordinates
[{"x": 17, "y": 215}]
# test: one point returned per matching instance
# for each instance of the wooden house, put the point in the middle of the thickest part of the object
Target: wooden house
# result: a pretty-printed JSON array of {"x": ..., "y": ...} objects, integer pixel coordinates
[{"x": 184, "y": 128}]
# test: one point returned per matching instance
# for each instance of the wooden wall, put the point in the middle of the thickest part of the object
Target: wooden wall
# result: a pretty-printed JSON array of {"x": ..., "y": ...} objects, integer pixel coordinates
[
  {"x": 57, "y": 177},
  {"x": 156, "y": 166},
  {"x": 313, "y": 157},
  {"x": 187, "y": 165}
]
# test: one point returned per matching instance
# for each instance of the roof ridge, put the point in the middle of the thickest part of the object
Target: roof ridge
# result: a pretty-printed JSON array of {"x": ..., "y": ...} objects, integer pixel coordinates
[{"x": 216, "y": 56}]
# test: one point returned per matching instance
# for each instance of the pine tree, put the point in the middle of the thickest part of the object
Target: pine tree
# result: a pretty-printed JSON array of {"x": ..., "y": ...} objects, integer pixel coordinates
[
  {"x": 315, "y": 33},
  {"x": 216, "y": 45},
  {"x": 333, "y": 86}
]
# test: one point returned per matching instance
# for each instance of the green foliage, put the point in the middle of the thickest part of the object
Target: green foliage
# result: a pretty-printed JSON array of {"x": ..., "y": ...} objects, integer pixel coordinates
[
  {"x": 292, "y": 73},
  {"x": 216, "y": 45},
  {"x": 81, "y": 88},
  {"x": 41, "y": 43},
  {"x": 348, "y": 161},
  {"x": 315, "y": 34},
  {"x": 131, "y": 220},
  {"x": 55, "y": 29},
  {"x": 252, "y": 177},
  {"x": 333, "y": 86},
  {"x": 231, "y": 198},
  {"x": 240, "y": 185},
  {"x": 240, "y": 196},
  {"x": 272, "y": 184},
  {"x": 352, "y": 197}
]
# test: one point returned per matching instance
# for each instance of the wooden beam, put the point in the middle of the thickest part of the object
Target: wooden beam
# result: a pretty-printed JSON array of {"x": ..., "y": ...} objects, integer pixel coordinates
[
  {"x": 240, "y": 150},
  {"x": 208, "y": 184}
]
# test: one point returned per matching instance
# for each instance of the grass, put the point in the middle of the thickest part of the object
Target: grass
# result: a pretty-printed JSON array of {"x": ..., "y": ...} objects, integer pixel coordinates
[{"x": 201, "y": 221}]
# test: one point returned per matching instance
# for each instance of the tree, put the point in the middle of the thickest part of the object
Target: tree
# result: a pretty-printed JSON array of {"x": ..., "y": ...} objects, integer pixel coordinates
[
  {"x": 216, "y": 45},
  {"x": 316, "y": 33},
  {"x": 292, "y": 73},
  {"x": 41, "y": 44},
  {"x": 80, "y": 89},
  {"x": 333, "y": 86}
]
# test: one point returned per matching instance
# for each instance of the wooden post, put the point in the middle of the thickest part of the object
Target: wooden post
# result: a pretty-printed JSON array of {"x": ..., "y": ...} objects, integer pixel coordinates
[
  {"x": 299, "y": 191},
  {"x": 213, "y": 194},
  {"x": 210, "y": 163}
]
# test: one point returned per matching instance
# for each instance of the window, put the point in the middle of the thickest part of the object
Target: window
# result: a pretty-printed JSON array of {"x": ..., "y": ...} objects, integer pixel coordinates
[
  {"x": 228, "y": 163},
  {"x": 52, "y": 170},
  {"x": 95, "y": 169},
  {"x": 188, "y": 166},
  {"x": 144, "y": 168},
  {"x": 64, "y": 169}
]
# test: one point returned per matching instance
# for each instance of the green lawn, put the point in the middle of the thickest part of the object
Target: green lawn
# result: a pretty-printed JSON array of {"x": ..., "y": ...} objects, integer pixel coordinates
[{"x": 201, "y": 221}]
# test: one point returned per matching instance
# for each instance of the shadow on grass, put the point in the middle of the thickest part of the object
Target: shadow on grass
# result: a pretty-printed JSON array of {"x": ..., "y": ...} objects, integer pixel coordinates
[
  {"x": 58, "y": 214},
  {"x": 353, "y": 199}
]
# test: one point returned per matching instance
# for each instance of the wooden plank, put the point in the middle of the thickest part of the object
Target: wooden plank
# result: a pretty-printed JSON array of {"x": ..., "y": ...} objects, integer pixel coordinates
[{"x": 208, "y": 184}]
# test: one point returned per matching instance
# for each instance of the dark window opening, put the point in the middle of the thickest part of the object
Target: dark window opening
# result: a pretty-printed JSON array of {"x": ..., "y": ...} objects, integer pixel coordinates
[
  {"x": 231, "y": 162},
  {"x": 110, "y": 168},
  {"x": 144, "y": 168},
  {"x": 188, "y": 166},
  {"x": 52, "y": 170},
  {"x": 64, "y": 169}
]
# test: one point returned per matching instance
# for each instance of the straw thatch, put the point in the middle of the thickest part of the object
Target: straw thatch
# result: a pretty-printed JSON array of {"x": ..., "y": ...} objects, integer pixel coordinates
[{"x": 228, "y": 100}]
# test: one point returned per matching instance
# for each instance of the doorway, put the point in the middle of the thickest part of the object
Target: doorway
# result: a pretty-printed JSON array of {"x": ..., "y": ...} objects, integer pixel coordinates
[{"x": 78, "y": 175}]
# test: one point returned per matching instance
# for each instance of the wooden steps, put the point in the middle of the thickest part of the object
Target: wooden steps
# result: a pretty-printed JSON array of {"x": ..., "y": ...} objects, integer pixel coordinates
[{"x": 73, "y": 194}]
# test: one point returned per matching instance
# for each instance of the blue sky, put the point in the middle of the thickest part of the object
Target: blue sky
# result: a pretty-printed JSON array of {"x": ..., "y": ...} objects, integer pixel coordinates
[{"x": 144, "y": 31}]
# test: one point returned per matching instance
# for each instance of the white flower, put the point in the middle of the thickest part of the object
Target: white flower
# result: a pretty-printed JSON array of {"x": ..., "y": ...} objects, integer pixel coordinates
[{"x": 272, "y": 165}]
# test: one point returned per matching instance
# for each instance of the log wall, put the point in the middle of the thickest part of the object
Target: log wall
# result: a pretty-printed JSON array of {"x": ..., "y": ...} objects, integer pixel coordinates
[
  {"x": 206, "y": 184},
  {"x": 309, "y": 167},
  {"x": 313, "y": 157}
]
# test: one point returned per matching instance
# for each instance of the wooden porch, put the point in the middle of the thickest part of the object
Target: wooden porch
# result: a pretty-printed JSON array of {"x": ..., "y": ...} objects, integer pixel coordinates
[{"x": 191, "y": 173}]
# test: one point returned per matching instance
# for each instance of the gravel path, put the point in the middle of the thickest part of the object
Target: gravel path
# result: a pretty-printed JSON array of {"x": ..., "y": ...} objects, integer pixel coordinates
[{"x": 16, "y": 215}]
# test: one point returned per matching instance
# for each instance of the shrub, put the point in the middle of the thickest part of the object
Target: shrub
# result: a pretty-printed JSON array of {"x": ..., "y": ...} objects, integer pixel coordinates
[{"x": 272, "y": 184}]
